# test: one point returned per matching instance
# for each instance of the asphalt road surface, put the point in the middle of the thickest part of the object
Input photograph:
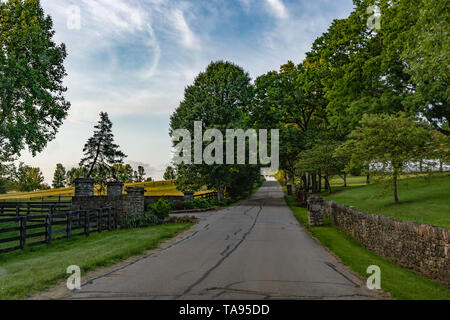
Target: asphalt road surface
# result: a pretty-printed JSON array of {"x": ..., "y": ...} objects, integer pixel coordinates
[{"x": 256, "y": 250}]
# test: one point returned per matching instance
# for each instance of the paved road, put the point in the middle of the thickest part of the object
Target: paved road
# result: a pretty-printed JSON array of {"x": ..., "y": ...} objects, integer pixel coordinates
[{"x": 256, "y": 250}]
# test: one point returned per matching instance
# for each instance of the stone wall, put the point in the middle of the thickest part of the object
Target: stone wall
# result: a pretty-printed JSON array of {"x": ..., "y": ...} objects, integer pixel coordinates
[
  {"x": 123, "y": 205},
  {"x": 98, "y": 202},
  {"x": 418, "y": 247},
  {"x": 152, "y": 199}
]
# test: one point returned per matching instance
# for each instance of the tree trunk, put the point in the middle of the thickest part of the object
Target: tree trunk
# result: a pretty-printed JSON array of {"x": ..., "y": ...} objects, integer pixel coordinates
[
  {"x": 304, "y": 182},
  {"x": 327, "y": 182},
  {"x": 314, "y": 182},
  {"x": 320, "y": 181},
  {"x": 219, "y": 191},
  {"x": 367, "y": 178},
  {"x": 395, "y": 186},
  {"x": 421, "y": 166},
  {"x": 345, "y": 180},
  {"x": 441, "y": 165}
]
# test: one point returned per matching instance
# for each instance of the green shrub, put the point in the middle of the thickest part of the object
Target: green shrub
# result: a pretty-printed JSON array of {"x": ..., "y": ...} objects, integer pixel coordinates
[
  {"x": 140, "y": 221},
  {"x": 190, "y": 205},
  {"x": 201, "y": 203},
  {"x": 161, "y": 208}
]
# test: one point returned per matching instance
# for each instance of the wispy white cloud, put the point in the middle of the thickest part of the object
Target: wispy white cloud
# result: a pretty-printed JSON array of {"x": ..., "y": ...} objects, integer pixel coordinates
[
  {"x": 188, "y": 38},
  {"x": 278, "y": 9}
]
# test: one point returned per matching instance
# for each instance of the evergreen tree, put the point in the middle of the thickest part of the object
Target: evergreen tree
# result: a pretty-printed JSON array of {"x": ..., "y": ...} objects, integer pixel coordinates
[
  {"x": 139, "y": 174},
  {"x": 170, "y": 173},
  {"x": 101, "y": 153},
  {"x": 59, "y": 177}
]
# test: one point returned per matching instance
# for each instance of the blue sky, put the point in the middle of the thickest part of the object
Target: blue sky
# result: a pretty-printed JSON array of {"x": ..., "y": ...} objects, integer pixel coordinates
[{"x": 133, "y": 59}]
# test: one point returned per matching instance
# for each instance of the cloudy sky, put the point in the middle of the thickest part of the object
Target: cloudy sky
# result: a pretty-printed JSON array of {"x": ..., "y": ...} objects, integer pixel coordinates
[{"x": 133, "y": 59}]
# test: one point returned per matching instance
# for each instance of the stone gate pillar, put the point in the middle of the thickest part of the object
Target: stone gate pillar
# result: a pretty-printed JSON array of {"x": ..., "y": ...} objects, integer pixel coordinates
[
  {"x": 188, "y": 196},
  {"x": 134, "y": 202},
  {"x": 114, "y": 188},
  {"x": 315, "y": 211},
  {"x": 84, "y": 187}
]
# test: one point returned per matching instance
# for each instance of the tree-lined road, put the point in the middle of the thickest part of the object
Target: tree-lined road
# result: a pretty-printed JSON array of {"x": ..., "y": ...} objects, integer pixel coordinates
[{"x": 256, "y": 250}]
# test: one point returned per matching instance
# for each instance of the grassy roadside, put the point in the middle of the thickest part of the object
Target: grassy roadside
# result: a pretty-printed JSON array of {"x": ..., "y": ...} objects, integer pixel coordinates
[
  {"x": 424, "y": 199},
  {"x": 400, "y": 283},
  {"x": 36, "y": 269}
]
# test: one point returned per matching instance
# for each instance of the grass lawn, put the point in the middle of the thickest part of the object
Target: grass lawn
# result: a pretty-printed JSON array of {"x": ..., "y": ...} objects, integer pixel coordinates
[
  {"x": 25, "y": 272},
  {"x": 399, "y": 282},
  {"x": 425, "y": 199}
]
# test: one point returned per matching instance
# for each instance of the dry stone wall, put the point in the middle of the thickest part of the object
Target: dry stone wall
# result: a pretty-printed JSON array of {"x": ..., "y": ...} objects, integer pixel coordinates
[{"x": 418, "y": 247}]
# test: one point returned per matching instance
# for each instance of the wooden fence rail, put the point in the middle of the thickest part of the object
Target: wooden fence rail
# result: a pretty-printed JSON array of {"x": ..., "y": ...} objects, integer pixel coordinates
[
  {"x": 30, "y": 230},
  {"x": 28, "y": 208},
  {"x": 208, "y": 196}
]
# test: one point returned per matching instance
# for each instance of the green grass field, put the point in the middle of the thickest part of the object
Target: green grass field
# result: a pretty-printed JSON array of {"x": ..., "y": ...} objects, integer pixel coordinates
[
  {"x": 34, "y": 269},
  {"x": 399, "y": 282},
  {"x": 425, "y": 199}
]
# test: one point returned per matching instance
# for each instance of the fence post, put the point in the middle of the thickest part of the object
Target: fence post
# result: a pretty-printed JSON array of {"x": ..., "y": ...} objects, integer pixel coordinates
[
  {"x": 99, "y": 220},
  {"x": 23, "y": 231},
  {"x": 109, "y": 220},
  {"x": 116, "y": 220},
  {"x": 17, "y": 210},
  {"x": 69, "y": 225},
  {"x": 49, "y": 228},
  {"x": 87, "y": 222}
]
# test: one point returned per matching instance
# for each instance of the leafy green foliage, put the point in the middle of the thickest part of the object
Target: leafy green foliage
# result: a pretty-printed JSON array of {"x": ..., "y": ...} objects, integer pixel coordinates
[
  {"x": 140, "y": 221},
  {"x": 220, "y": 97},
  {"x": 74, "y": 174},
  {"x": 161, "y": 208},
  {"x": 427, "y": 47},
  {"x": 390, "y": 143},
  {"x": 28, "y": 178},
  {"x": 32, "y": 104}
]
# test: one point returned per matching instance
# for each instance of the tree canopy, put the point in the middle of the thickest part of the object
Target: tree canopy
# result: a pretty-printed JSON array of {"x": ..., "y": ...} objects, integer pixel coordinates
[{"x": 32, "y": 103}]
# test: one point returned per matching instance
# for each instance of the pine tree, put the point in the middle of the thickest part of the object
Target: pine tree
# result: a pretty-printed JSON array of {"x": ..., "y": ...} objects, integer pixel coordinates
[
  {"x": 59, "y": 177},
  {"x": 139, "y": 175},
  {"x": 101, "y": 153},
  {"x": 170, "y": 173}
]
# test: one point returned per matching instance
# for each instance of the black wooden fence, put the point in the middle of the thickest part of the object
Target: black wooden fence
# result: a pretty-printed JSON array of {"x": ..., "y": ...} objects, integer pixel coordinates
[
  {"x": 15, "y": 209},
  {"x": 208, "y": 196},
  {"x": 17, "y": 232}
]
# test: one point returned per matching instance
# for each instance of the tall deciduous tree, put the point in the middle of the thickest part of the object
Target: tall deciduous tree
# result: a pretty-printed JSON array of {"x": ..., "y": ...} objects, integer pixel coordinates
[
  {"x": 101, "y": 153},
  {"x": 427, "y": 57},
  {"x": 28, "y": 178},
  {"x": 390, "y": 143},
  {"x": 74, "y": 174},
  {"x": 220, "y": 97},
  {"x": 59, "y": 177},
  {"x": 32, "y": 103}
]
